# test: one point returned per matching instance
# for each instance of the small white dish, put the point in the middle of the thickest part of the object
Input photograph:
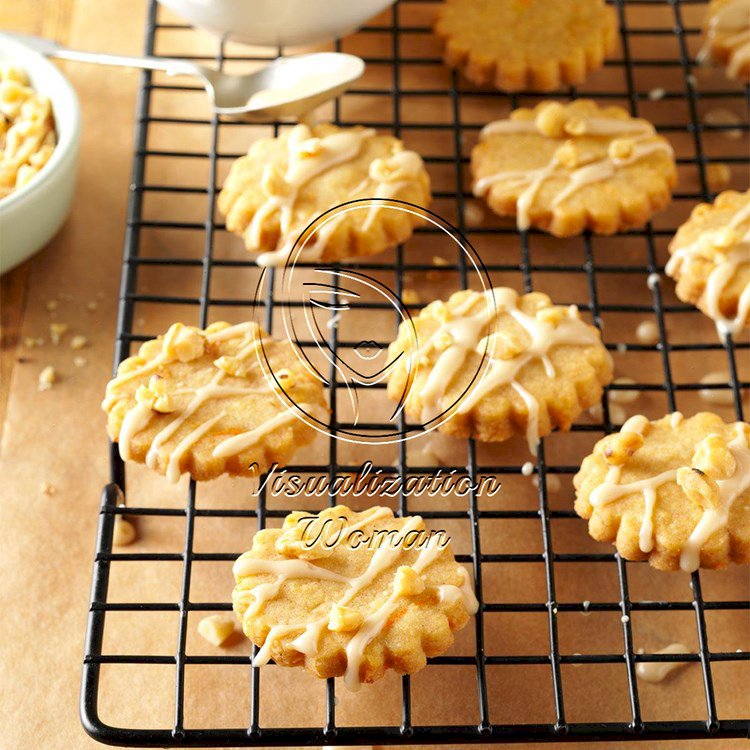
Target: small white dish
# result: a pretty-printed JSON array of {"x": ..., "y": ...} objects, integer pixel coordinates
[
  {"x": 32, "y": 215},
  {"x": 274, "y": 23}
]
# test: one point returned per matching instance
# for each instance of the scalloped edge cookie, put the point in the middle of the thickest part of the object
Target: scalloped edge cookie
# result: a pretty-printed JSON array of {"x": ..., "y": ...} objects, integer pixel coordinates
[
  {"x": 498, "y": 364},
  {"x": 673, "y": 491},
  {"x": 320, "y": 593},
  {"x": 508, "y": 44},
  {"x": 284, "y": 184},
  {"x": 567, "y": 168},
  {"x": 199, "y": 401}
]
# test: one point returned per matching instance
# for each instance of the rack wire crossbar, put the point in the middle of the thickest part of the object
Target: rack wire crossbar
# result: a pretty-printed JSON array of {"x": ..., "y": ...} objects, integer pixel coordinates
[{"x": 485, "y": 730}]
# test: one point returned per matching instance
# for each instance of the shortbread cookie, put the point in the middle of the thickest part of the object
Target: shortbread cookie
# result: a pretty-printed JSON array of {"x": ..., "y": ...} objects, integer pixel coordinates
[
  {"x": 675, "y": 491},
  {"x": 711, "y": 260},
  {"x": 497, "y": 364},
  {"x": 283, "y": 184},
  {"x": 204, "y": 402},
  {"x": 727, "y": 37},
  {"x": 566, "y": 168},
  {"x": 352, "y": 594},
  {"x": 516, "y": 44}
]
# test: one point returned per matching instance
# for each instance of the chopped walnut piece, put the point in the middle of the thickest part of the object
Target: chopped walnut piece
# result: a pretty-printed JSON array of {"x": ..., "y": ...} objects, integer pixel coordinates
[
  {"x": 124, "y": 532},
  {"x": 408, "y": 582},
  {"x": 78, "y": 342},
  {"x": 618, "y": 448},
  {"x": 713, "y": 457},
  {"x": 46, "y": 378},
  {"x": 57, "y": 331},
  {"x": 216, "y": 629},
  {"x": 343, "y": 619},
  {"x": 410, "y": 297},
  {"x": 698, "y": 486}
]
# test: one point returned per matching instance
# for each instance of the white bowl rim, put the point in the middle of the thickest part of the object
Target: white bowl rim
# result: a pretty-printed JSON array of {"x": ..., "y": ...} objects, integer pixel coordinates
[{"x": 68, "y": 135}]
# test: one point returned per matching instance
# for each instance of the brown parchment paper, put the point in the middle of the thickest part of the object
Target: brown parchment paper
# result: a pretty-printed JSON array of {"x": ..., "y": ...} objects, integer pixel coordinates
[{"x": 58, "y": 438}]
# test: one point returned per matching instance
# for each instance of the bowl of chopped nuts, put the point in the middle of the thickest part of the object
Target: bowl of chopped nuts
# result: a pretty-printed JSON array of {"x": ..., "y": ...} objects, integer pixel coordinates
[{"x": 40, "y": 131}]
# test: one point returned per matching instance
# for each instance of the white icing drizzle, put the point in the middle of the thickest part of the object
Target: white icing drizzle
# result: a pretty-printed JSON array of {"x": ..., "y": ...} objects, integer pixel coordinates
[
  {"x": 732, "y": 19},
  {"x": 309, "y": 157},
  {"x": 726, "y": 266},
  {"x": 587, "y": 174},
  {"x": 308, "y": 635},
  {"x": 656, "y": 671},
  {"x": 714, "y": 519},
  {"x": 467, "y": 332},
  {"x": 139, "y": 416}
]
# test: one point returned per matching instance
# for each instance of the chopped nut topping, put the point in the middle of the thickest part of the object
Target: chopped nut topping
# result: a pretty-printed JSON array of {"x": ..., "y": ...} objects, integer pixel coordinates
[
  {"x": 618, "y": 448},
  {"x": 551, "y": 120},
  {"x": 714, "y": 458},
  {"x": 216, "y": 629},
  {"x": 551, "y": 315},
  {"x": 443, "y": 340},
  {"x": 80, "y": 361},
  {"x": 310, "y": 147},
  {"x": 301, "y": 540},
  {"x": 408, "y": 582},
  {"x": 124, "y": 532},
  {"x": 344, "y": 619},
  {"x": 56, "y": 332},
  {"x": 183, "y": 343},
  {"x": 575, "y": 126},
  {"x": 698, "y": 486},
  {"x": 48, "y": 489},
  {"x": 624, "y": 397},
  {"x": 621, "y": 149},
  {"x": 78, "y": 342},
  {"x": 46, "y": 378},
  {"x": 52, "y": 305},
  {"x": 507, "y": 345},
  {"x": 568, "y": 155},
  {"x": 534, "y": 301},
  {"x": 473, "y": 215},
  {"x": 439, "y": 310},
  {"x": 273, "y": 183},
  {"x": 438, "y": 260},
  {"x": 647, "y": 332},
  {"x": 231, "y": 366}
]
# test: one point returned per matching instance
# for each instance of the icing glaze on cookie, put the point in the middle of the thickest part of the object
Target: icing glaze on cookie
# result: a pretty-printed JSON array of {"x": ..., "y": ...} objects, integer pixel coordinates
[
  {"x": 466, "y": 331},
  {"x": 309, "y": 157},
  {"x": 729, "y": 26},
  {"x": 727, "y": 248},
  {"x": 635, "y": 140},
  {"x": 307, "y": 635}
]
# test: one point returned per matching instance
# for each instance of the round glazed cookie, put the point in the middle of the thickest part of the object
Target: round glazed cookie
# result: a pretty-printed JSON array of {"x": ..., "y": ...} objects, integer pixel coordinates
[
  {"x": 727, "y": 37},
  {"x": 199, "y": 401},
  {"x": 516, "y": 44},
  {"x": 283, "y": 184},
  {"x": 494, "y": 365},
  {"x": 675, "y": 491},
  {"x": 710, "y": 260},
  {"x": 566, "y": 168},
  {"x": 351, "y": 593}
]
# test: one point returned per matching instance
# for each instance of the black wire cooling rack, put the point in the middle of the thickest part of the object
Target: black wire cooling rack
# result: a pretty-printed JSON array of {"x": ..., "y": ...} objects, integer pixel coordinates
[{"x": 627, "y": 66}]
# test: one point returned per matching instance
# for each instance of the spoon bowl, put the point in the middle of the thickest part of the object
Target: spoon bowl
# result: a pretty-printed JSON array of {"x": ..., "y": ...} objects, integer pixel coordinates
[{"x": 289, "y": 87}]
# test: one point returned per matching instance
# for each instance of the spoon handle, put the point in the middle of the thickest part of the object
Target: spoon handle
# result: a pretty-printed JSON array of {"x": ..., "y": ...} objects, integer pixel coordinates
[{"x": 49, "y": 48}]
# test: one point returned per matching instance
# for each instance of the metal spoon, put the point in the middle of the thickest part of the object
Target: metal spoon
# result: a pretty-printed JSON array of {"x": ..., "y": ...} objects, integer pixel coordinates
[{"x": 288, "y": 87}]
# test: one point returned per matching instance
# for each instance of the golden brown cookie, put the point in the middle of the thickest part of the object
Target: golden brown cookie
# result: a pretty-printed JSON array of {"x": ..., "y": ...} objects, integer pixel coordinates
[
  {"x": 538, "y": 45},
  {"x": 285, "y": 183},
  {"x": 351, "y": 593},
  {"x": 566, "y": 168},
  {"x": 199, "y": 401},
  {"x": 710, "y": 260},
  {"x": 727, "y": 37},
  {"x": 675, "y": 491},
  {"x": 497, "y": 364}
]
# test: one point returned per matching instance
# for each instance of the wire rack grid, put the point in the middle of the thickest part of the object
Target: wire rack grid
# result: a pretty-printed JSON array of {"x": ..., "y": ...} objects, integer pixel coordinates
[{"x": 594, "y": 276}]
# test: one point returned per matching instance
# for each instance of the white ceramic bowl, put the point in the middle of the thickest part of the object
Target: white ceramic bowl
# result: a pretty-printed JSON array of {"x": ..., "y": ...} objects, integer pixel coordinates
[
  {"x": 31, "y": 215},
  {"x": 271, "y": 23}
]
